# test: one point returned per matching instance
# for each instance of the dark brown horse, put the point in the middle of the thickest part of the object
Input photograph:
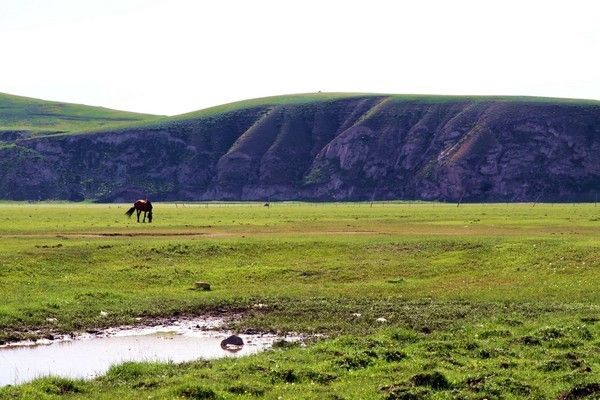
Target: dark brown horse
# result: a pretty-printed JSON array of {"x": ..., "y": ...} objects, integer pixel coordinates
[{"x": 139, "y": 206}]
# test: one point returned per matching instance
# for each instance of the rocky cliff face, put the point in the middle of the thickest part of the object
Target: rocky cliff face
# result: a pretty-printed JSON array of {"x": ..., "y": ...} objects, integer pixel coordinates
[{"x": 370, "y": 147}]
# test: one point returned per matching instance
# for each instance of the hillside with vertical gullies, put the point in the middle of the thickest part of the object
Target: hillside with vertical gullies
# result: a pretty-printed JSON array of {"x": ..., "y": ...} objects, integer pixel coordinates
[{"x": 323, "y": 146}]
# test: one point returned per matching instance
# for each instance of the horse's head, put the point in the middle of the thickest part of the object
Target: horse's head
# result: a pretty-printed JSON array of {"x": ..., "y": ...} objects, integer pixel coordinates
[{"x": 150, "y": 216}]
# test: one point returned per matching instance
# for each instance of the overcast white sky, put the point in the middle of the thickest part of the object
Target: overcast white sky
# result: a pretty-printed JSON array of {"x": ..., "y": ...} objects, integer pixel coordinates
[{"x": 175, "y": 56}]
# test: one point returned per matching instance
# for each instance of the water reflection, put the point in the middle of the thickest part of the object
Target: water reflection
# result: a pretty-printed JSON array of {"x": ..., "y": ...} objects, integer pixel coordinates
[{"x": 91, "y": 356}]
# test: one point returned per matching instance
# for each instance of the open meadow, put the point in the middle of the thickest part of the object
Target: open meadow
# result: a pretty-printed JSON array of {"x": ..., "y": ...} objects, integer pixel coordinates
[{"x": 409, "y": 300}]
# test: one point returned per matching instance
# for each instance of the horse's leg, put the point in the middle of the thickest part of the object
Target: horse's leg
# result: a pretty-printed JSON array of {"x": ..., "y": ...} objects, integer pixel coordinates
[
  {"x": 138, "y": 214},
  {"x": 144, "y": 220}
]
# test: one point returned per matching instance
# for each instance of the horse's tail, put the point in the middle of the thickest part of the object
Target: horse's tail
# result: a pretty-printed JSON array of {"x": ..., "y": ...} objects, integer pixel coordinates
[{"x": 130, "y": 211}]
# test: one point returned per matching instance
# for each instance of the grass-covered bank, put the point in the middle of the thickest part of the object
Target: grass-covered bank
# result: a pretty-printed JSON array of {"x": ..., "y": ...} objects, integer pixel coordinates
[
  {"x": 514, "y": 359},
  {"x": 480, "y": 301}
]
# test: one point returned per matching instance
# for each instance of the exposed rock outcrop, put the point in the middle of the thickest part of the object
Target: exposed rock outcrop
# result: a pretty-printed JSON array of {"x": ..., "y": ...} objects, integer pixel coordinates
[{"x": 360, "y": 147}]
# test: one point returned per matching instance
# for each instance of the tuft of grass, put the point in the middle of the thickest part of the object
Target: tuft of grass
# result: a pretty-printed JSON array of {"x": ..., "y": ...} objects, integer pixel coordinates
[
  {"x": 197, "y": 392},
  {"x": 435, "y": 380},
  {"x": 59, "y": 386}
]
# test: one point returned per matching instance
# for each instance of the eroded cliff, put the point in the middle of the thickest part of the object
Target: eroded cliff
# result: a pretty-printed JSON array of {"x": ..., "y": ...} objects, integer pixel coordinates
[{"x": 347, "y": 148}]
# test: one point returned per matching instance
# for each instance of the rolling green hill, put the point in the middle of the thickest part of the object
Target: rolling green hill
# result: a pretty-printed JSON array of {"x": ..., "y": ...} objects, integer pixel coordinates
[
  {"x": 26, "y": 117},
  {"x": 301, "y": 99},
  {"x": 304, "y": 100}
]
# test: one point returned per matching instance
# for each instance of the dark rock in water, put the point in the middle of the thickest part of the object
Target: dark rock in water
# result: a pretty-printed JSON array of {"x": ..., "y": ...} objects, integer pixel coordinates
[
  {"x": 233, "y": 343},
  {"x": 232, "y": 340}
]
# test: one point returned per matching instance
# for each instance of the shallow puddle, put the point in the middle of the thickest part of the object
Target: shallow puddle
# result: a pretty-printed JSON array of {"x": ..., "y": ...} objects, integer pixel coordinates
[{"x": 88, "y": 356}]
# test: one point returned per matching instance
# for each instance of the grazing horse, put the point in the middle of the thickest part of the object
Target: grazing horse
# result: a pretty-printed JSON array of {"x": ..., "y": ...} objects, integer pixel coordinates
[{"x": 139, "y": 206}]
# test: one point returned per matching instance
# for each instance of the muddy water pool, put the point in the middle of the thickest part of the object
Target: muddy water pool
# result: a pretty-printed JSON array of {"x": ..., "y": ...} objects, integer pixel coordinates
[{"x": 89, "y": 355}]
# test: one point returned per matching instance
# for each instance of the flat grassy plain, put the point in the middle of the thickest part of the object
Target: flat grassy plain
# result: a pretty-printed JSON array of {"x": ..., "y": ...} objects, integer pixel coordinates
[{"x": 479, "y": 301}]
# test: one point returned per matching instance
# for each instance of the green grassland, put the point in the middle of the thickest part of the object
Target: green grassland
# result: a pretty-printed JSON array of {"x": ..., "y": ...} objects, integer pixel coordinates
[
  {"x": 480, "y": 301},
  {"x": 306, "y": 98},
  {"x": 41, "y": 117}
]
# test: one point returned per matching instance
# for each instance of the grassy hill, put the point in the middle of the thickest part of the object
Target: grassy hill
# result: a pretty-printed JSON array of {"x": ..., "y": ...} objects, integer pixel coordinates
[
  {"x": 311, "y": 98},
  {"x": 24, "y": 116},
  {"x": 304, "y": 99},
  {"x": 41, "y": 117},
  {"x": 307, "y": 98}
]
